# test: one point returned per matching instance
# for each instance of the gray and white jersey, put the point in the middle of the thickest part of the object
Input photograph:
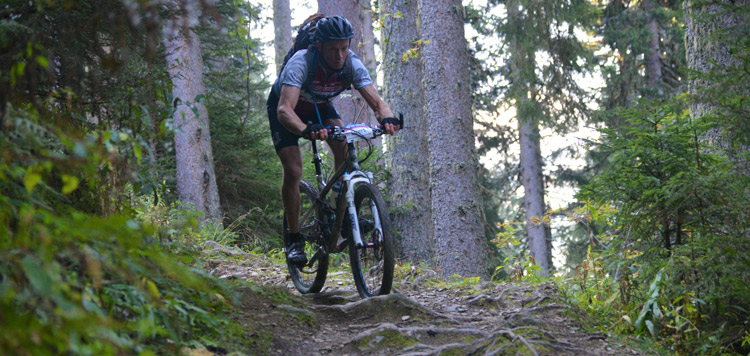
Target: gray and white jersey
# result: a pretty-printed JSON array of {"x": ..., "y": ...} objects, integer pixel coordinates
[{"x": 325, "y": 84}]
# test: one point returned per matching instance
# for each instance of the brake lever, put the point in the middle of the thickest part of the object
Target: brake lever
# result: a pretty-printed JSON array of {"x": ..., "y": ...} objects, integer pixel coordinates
[{"x": 337, "y": 134}]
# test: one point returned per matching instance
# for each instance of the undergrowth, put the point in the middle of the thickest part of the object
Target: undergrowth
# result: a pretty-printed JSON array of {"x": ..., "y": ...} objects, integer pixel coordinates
[
  {"x": 668, "y": 259},
  {"x": 75, "y": 282}
]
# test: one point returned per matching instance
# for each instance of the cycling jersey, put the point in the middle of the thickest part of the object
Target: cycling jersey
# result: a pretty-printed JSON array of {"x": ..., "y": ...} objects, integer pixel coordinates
[{"x": 326, "y": 84}]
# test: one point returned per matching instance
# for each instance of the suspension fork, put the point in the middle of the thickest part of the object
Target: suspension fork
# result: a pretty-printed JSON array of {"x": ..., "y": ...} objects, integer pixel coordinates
[{"x": 351, "y": 180}]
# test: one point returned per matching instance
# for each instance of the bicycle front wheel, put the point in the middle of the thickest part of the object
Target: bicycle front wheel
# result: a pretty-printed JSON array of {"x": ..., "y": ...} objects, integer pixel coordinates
[
  {"x": 311, "y": 277},
  {"x": 372, "y": 264}
]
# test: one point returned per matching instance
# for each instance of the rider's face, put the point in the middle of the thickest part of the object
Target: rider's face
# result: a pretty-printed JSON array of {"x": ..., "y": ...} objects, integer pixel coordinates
[{"x": 334, "y": 53}]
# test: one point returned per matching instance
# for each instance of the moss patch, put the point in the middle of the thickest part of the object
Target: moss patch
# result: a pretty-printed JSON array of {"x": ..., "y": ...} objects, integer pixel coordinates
[
  {"x": 386, "y": 339},
  {"x": 303, "y": 319},
  {"x": 265, "y": 315}
]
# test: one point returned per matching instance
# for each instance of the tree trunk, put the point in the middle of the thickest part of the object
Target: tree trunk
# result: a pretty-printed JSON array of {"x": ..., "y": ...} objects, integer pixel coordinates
[
  {"x": 653, "y": 64},
  {"x": 282, "y": 26},
  {"x": 196, "y": 180},
  {"x": 409, "y": 191},
  {"x": 350, "y": 104},
  {"x": 456, "y": 203},
  {"x": 533, "y": 186},
  {"x": 531, "y": 152},
  {"x": 700, "y": 25}
]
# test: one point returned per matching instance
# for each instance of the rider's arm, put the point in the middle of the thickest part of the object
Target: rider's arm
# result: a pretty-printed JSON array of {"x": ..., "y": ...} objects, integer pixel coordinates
[
  {"x": 288, "y": 118},
  {"x": 379, "y": 106}
]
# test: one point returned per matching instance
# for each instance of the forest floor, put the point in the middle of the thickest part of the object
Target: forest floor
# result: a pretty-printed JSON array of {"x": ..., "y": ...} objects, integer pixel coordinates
[{"x": 423, "y": 316}]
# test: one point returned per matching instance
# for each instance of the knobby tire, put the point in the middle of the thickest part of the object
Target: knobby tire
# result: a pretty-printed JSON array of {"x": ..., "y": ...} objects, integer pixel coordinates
[{"x": 372, "y": 265}]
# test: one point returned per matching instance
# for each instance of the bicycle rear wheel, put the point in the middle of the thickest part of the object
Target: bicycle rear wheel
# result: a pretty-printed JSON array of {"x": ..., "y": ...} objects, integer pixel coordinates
[
  {"x": 372, "y": 264},
  {"x": 311, "y": 277}
]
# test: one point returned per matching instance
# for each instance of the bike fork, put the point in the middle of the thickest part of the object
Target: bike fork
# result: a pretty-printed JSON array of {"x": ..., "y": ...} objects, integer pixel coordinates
[
  {"x": 351, "y": 180},
  {"x": 356, "y": 237}
]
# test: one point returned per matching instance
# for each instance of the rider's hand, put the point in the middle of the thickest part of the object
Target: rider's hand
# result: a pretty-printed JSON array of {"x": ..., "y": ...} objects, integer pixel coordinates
[
  {"x": 390, "y": 125},
  {"x": 315, "y": 132}
]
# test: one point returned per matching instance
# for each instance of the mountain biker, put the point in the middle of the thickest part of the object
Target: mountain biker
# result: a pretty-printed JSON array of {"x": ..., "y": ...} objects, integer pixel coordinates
[{"x": 299, "y": 105}]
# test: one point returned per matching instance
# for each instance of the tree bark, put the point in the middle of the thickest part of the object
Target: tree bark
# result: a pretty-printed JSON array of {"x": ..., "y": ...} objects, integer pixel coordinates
[
  {"x": 456, "y": 203},
  {"x": 196, "y": 180},
  {"x": 531, "y": 154},
  {"x": 409, "y": 191},
  {"x": 534, "y": 192},
  {"x": 282, "y": 26},
  {"x": 653, "y": 64},
  {"x": 701, "y": 24}
]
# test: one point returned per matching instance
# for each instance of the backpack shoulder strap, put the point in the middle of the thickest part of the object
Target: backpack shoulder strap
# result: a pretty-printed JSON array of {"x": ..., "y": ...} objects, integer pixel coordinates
[
  {"x": 312, "y": 53},
  {"x": 310, "y": 74}
]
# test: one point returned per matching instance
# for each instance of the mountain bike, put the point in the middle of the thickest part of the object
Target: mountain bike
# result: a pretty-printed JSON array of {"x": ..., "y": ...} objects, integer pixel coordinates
[{"x": 359, "y": 221}]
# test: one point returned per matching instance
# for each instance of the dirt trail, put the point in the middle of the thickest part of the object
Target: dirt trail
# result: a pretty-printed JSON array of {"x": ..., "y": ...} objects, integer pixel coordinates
[{"x": 421, "y": 318}]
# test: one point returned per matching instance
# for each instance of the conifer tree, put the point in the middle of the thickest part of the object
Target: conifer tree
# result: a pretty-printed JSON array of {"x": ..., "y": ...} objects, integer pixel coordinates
[
  {"x": 715, "y": 48},
  {"x": 536, "y": 75},
  {"x": 282, "y": 27},
  {"x": 644, "y": 51},
  {"x": 456, "y": 202},
  {"x": 196, "y": 180},
  {"x": 409, "y": 192}
]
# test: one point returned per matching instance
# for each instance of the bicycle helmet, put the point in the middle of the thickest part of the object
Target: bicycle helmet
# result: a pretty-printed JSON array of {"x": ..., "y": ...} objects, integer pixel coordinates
[{"x": 333, "y": 28}]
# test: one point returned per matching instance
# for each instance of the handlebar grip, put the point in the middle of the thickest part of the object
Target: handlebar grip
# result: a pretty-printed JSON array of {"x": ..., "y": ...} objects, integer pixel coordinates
[
  {"x": 400, "y": 121},
  {"x": 329, "y": 129}
]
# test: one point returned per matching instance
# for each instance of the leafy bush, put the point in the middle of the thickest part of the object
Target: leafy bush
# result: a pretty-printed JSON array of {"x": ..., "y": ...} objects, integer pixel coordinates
[
  {"x": 88, "y": 285},
  {"x": 74, "y": 282},
  {"x": 96, "y": 258}
]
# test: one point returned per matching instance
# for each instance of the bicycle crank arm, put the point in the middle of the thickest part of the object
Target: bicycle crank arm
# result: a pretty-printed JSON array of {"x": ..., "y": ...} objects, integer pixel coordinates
[{"x": 320, "y": 252}]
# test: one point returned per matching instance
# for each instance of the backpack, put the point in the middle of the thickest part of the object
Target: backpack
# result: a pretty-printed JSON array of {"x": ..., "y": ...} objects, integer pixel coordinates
[{"x": 305, "y": 37}]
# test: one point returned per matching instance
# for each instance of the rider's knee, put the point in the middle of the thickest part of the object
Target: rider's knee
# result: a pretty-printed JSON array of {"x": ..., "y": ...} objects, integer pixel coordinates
[{"x": 292, "y": 173}]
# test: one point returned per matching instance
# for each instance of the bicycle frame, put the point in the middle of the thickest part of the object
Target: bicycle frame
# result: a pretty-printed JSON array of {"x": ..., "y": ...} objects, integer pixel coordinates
[
  {"x": 367, "y": 233},
  {"x": 352, "y": 175}
]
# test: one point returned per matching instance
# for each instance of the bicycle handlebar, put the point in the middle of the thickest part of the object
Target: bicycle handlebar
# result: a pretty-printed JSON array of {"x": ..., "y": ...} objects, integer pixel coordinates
[
  {"x": 355, "y": 132},
  {"x": 358, "y": 132}
]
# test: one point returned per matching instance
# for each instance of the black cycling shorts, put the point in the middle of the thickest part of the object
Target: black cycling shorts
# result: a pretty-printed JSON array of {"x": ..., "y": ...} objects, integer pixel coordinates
[{"x": 280, "y": 136}]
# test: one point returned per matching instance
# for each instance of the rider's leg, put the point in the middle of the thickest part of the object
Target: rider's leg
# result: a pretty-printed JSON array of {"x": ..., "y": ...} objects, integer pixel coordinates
[
  {"x": 291, "y": 162},
  {"x": 290, "y": 156}
]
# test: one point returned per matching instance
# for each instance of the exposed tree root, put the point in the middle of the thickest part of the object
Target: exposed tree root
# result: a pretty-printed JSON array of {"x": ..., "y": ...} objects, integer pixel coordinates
[
  {"x": 487, "y": 344},
  {"x": 417, "y": 319},
  {"x": 539, "y": 300},
  {"x": 387, "y": 306},
  {"x": 513, "y": 337},
  {"x": 547, "y": 307}
]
